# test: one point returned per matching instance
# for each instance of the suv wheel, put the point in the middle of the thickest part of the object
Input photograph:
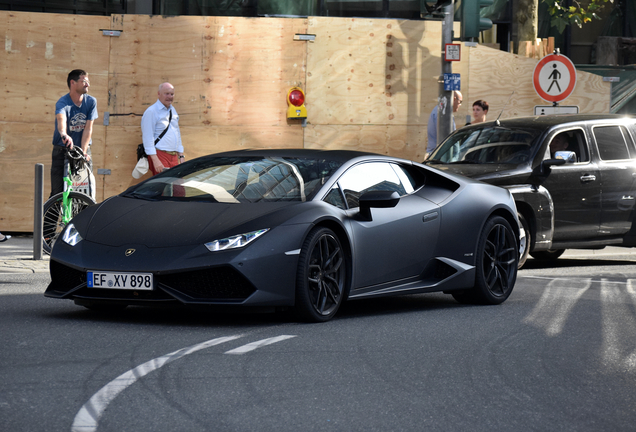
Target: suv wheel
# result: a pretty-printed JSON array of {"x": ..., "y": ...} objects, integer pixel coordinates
[{"x": 525, "y": 242}]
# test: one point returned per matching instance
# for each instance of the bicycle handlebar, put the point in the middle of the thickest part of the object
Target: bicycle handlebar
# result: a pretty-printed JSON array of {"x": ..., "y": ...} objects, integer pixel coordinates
[
  {"x": 75, "y": 153},
  {"x": 77, "y": 160}
]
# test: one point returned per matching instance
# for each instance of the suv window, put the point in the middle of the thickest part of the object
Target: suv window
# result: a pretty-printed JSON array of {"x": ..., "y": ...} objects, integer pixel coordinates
[
  {"x": 487, "y": 145},
  {"x": 572, "y": 140},
  {"x": 614, "y": 143}
]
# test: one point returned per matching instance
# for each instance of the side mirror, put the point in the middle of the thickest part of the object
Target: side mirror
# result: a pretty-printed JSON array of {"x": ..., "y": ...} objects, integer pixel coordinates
[
  {"x": 548, "y": 163},
  {"x": 377, "y": 199},
  {"x": 567, "y": 156}
]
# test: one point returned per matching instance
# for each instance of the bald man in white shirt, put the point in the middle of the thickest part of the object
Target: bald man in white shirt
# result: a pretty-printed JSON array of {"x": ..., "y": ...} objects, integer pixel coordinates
[{"x": 167, "y": 151}]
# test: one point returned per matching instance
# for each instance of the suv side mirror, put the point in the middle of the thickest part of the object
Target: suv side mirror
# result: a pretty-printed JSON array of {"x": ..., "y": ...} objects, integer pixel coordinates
[
  {"x": 549, "y": 163},
  {"x": 567, "y": 156},
  {"x": 377, "y": 199}
]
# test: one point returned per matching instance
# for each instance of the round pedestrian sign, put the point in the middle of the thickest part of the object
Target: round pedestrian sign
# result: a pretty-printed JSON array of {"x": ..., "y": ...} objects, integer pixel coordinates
[{"x": 554, "y": 77}]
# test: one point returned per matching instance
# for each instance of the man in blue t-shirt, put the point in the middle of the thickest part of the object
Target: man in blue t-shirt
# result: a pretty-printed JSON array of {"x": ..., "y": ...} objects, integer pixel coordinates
[{"x": 75, "y": 113}]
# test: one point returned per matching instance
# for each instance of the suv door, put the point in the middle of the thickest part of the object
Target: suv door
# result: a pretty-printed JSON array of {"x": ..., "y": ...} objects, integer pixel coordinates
[
  {"x": 618, "y": 178},
  {"x": 575, "y": 188}
]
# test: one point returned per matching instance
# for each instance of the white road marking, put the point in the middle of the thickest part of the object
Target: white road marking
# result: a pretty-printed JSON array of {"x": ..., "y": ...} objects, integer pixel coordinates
[
  {"x": 87, "y": 417},
  {"x": 252, "y": 346}
]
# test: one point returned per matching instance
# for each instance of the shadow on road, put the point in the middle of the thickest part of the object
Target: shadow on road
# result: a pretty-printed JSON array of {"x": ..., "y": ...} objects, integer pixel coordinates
[
  {"x": 532, "y": 264},
  {"x": 180, "y": 316}
]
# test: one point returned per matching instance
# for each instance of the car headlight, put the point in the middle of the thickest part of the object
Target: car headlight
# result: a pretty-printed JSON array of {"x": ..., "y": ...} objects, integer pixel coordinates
[
  {"x": 71, "y": 236},
  {"x": 236, "y": 241}
]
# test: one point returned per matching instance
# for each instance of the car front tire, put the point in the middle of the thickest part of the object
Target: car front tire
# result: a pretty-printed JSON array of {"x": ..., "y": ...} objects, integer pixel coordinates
[{"x": 321, "y": 277}]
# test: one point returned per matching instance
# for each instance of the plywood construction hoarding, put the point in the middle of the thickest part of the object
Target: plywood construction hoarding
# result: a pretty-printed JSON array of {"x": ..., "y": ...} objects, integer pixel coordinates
[{"x": 370, "y": 84}]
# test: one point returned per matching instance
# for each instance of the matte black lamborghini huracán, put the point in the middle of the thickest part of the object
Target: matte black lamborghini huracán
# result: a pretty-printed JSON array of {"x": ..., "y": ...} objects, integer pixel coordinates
[{"x": 290, "y": 229}]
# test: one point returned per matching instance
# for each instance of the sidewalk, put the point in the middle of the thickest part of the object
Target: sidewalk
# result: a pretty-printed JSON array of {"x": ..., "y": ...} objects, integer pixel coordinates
[{"x": 16, "y": 256}]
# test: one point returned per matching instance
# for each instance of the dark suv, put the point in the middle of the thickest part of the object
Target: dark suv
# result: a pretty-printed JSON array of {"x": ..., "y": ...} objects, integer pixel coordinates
[{"x": 573, "y": 177}]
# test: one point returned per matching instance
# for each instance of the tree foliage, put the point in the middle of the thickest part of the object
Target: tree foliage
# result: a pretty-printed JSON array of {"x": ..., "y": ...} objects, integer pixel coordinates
[{"x": 579, "y": 13}]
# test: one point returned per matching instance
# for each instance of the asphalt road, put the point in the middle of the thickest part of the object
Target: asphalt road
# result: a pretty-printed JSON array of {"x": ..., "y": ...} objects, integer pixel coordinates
[{"x": 560, "y": 354}]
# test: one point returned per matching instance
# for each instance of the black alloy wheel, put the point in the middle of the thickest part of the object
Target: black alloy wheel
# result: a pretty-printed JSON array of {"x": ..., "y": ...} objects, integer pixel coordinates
[
  {"x": 321, "y": 279},
  {"x": 496, "y": 266}
]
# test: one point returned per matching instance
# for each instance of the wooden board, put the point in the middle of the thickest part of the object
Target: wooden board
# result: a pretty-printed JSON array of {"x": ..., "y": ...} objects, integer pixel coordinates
[
  {"x": 226, "y": 71},
  {"x": 401, "y": 141},
  {"x": 370, "y": 84},
  {"x": 368, "y": 71},
  {"x": 40, "y": 51}
]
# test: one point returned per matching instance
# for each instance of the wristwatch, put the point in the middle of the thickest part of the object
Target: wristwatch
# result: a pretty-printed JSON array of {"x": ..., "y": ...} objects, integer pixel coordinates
[{"x": 182, "y": 157}]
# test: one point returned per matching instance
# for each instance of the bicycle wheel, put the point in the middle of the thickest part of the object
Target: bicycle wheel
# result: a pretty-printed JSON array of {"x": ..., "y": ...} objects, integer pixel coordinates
[{"x": 53, "y": 223}]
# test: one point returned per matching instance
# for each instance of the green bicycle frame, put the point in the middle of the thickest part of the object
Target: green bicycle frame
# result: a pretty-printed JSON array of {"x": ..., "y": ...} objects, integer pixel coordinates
[{"x": 66, "y": 203}]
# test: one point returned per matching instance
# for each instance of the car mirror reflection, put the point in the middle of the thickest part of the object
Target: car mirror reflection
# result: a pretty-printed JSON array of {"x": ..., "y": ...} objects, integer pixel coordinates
[{"x": 567, "y": 156}]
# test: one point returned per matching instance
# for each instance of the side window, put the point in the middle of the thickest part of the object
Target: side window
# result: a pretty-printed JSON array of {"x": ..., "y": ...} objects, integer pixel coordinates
[
  {"x": 373, "y": 176},
  {"x": 612, "y": 143},
  {"x": 334, "y": 197},
  {"x": 572, "y": 140},
  {"x": 410, "y": 175}
]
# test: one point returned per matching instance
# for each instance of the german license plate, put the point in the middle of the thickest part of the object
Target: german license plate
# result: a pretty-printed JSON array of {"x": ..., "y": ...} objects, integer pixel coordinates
[{"x": 112, "y": 280}]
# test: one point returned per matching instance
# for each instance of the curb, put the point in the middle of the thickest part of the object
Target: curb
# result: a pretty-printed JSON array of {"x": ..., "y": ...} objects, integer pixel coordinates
[{"x": 24, "y": 265}]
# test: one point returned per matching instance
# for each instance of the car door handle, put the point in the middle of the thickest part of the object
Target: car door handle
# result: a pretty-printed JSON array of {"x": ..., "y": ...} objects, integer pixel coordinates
[
  {"x": 588, "y": 178},
  {"x": 430, "y": 216}
]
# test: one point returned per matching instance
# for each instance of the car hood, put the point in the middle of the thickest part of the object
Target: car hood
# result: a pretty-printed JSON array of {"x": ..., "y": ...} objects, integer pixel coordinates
[{"x": 120, "y": 221}]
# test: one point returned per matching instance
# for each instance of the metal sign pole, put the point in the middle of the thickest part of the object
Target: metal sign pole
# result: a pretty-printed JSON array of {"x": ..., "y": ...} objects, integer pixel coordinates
[
  {"x": 445, "y": 101},
  {"x": 38, "y": 211}
]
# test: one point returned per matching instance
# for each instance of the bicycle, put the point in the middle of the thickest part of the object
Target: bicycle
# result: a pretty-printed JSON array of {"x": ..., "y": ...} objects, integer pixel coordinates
[{"x": 62, "y": 207}]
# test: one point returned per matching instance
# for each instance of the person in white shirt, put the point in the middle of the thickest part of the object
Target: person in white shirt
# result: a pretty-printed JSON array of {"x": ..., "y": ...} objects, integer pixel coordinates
[{"x": 164, "y": 151}]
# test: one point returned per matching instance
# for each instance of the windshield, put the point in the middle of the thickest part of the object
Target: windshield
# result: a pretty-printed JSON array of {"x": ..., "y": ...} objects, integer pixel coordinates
[
  {"x": 238, "y": 180},
  {"x": 486, "y": 145}
]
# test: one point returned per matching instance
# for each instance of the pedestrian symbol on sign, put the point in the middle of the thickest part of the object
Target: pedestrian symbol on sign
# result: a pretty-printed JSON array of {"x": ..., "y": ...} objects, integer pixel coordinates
[{"x": 555, "y": 76}]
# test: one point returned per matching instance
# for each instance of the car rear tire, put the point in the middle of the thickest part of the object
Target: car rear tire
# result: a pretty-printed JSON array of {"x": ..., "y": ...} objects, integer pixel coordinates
[
  {"x": 524, "y": 243},
  {"x": 321, "y": 277},
  {"x": 496, "y": 266},
  {"x": 549, "y": 255}
]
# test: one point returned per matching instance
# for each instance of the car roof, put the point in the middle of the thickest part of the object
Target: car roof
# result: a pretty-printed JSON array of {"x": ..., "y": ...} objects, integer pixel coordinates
[{"x": 547, "y": 121}]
